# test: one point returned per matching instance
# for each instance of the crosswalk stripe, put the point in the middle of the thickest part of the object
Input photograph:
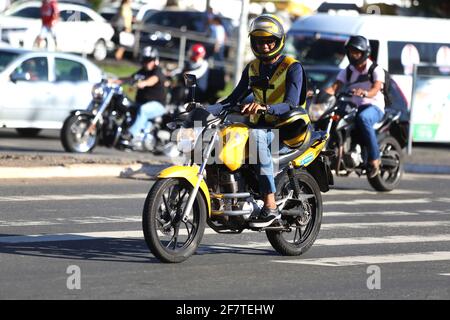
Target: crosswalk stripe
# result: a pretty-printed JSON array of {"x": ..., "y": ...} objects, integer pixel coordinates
[
  {"x": 382, "y": 213},
  {"x": 395, "y": 224},
  {"x": 208, "y": 231},
  {"x": 351, "y": 192},
  {"x": 73, "y": 197},
  {"x": 372, "y": 259},
  {"x": 326, "y": 202}
]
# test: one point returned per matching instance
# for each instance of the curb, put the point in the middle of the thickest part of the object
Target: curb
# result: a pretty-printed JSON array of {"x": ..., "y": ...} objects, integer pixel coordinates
[{"x": 147, "y": 171}]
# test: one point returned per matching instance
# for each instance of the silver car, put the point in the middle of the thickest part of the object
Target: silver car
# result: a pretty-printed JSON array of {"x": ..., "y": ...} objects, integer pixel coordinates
[{"x": 39, "y": 89}]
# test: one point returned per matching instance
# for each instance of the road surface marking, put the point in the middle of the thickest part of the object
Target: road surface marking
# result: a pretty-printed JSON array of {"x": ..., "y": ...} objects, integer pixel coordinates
[
  {"x": 396, "y": 224},
  {"x": 74, "y": 197},
  {"x": 373, "y": 259},
  {"x": 335, "y": 192}
]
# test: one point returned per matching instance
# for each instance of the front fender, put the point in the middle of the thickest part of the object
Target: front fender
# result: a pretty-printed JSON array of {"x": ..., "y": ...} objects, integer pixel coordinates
[{"x": 190, "y": 174}]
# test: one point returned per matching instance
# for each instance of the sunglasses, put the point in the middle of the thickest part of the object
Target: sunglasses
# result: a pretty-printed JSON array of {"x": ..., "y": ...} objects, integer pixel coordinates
[{"x": 264, "y": 41}]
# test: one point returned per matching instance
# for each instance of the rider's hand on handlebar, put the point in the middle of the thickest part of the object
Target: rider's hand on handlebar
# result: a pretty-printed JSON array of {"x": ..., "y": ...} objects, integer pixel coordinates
[
  {"x": 359, "y": 92},
  {"x": 253, "y": 108}
]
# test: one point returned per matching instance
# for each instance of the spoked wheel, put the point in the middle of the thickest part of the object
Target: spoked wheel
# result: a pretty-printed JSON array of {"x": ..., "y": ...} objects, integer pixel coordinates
[
  {"x": 304, "y": 218},
  {"x": 75, "y": 136},
  {"x": 391, "y": 169},
  {"x": 167, "y": 236}
]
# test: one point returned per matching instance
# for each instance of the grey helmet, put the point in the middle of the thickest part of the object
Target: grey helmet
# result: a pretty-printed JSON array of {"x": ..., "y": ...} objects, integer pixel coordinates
[{"x": 361, "y": 44}]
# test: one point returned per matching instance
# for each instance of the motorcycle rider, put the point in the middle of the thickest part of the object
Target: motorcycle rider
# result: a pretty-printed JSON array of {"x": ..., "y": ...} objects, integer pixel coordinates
[
  {"x": 366, "y": 95},
  {"x": 198, "y": 66},
  {"x": 267, "y": 38},
  {"x": 150, "y": 96}
]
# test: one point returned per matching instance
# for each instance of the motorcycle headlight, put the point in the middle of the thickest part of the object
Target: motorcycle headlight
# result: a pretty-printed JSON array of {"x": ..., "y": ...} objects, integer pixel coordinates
[
  {"x": 187, "y": 138},
  {"x": 97, "y": 91},
  {"x": 316, "y": 110}
]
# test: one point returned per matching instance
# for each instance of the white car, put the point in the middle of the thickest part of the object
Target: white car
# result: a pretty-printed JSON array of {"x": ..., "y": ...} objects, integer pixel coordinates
[
  {"x": 39, "y": 89},
  {"x": 79, "y": 30}
]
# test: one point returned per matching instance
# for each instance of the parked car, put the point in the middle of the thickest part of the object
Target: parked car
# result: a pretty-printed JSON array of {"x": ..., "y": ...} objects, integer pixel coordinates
[
  {"x": 79, "y": 30},
  {"x": 162, "y": 30},
  {"x": 39, "y": 89}
]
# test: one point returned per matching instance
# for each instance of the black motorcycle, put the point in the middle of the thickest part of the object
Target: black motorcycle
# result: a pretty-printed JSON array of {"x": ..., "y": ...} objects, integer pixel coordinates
[
  {"x": 337, "y": 115},
  {"x": 108, "y": 116}
]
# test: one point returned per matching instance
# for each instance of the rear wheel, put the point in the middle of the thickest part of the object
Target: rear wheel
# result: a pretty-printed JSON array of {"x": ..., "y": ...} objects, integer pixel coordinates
[
  {"x": 75, "y": 136},
  {"x": 391, "y": 169},
  {"x": 304, "y": 219},
  {"x": 167, "y": 236}
]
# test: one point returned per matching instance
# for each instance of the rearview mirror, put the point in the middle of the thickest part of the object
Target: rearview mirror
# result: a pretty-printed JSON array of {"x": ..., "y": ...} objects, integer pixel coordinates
[
  {"x": 190, "y": 80},
  {"x": 20, "y": 76}
]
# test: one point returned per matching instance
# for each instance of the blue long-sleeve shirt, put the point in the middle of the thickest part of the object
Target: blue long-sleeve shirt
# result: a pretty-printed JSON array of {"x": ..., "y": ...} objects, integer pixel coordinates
[{"x": 294, "y": 80}]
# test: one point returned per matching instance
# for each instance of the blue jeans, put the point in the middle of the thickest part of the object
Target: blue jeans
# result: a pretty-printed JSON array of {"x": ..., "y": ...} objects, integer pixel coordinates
[
  {"x": 264, "y": 168},
  {"x": 149, "y": 110},
  {"x": 367, "y": 116}
]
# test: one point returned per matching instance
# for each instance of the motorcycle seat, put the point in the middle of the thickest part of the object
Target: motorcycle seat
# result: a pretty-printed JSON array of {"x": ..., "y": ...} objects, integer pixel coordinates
[
  {"x": 389, "y": 114},
  {"x": 282, "y": 160}
]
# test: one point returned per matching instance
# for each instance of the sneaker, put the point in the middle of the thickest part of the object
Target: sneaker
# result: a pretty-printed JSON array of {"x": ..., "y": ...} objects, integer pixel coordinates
[
  {"x": 266, "y": 218},
  {"x": 373, "y": 170}
]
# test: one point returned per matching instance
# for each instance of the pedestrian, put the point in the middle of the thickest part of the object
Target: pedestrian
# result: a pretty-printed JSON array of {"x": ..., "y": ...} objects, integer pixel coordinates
[
  {"x": 122, "y": 22},
  {"x": 218, "y": 35},
  {"x": 49, "y": 16}
]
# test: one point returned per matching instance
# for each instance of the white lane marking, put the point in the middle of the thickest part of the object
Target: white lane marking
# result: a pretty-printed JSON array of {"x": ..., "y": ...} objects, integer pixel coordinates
[
  {"x": 396, "y": 224},
  {"x": 208, "y": 231},
  {"x": 127, "y": 219},
  {"x": 71, "y": 236},
  {"x": 74, "y": 197},
  {"x": 368, "y": 213},
  {"x": 373, "y": 259},
  {"x": 335, "y": 192},
  {"x": 350, "y": 241},
  {"x": 382, "y": 240},
  {"x": 444, "y": 274},
  {"x": 63, "y": 221},
  {"x": 375, "y": 201}
]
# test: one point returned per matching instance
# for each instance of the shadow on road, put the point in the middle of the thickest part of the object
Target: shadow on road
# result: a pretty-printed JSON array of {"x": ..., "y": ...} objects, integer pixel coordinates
[{"x": 112, "y": 250}]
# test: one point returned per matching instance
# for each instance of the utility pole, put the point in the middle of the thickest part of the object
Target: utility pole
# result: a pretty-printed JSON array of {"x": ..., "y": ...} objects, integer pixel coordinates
[{"x": 241, "y": 41}]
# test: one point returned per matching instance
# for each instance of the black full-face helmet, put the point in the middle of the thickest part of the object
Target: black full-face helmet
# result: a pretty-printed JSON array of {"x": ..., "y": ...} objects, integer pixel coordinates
[
  {"x": 361, "y": 44},
  {"x": 149, "y": 54},
  {"x": 267, "y": 26}
]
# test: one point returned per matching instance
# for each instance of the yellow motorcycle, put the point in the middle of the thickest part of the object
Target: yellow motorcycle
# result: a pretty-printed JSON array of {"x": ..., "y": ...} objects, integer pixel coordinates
[{"x": 219, "y": 185}]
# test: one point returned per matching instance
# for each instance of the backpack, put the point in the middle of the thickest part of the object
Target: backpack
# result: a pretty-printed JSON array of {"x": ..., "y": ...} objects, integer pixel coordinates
[{"x": 387, "y": 82}]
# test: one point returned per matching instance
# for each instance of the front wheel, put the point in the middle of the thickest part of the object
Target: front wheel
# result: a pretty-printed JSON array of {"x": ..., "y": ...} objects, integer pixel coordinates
[
  {"x": 167, "y": 236},
  {"x": 304, "y": 219},
  {"x": 391, "y": 169},
  {"x": 75, "y": 136}
]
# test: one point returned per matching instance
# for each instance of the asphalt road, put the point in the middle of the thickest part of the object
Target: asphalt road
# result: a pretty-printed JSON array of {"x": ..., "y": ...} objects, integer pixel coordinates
[{"x": 371, "y": 246}]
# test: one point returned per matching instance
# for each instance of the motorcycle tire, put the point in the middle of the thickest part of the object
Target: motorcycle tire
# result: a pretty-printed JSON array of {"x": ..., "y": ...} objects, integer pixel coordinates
[
  {"x": 392, "y": 166},
  {"x": 72, "y": 138},
  {"x": 296, "y": 247},
  {"x": 161, "y": 220}
]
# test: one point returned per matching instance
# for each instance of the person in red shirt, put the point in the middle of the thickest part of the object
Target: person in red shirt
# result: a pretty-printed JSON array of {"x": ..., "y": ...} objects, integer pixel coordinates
[{"x": 49, "y": 17}]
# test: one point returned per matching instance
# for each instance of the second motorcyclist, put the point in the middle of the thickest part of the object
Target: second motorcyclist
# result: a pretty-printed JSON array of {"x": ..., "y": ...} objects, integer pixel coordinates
[
  {"x": 150, "y": 95},
  {"x": 367, "y": 95}
]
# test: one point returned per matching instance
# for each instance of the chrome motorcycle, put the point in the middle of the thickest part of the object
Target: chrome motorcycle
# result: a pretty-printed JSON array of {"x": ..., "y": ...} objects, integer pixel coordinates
[{"x": 109, "y": 115}]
